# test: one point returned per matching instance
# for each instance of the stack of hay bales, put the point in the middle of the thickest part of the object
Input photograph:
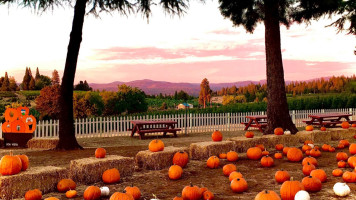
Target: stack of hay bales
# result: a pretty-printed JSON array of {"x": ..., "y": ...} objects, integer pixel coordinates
[
  {"x": 90, "y": 170},
  {"x": 203, "y": 150},
  {"x": 241, "y": 144},
  {"x": 157, "y": 160},
  {"x": 340, "y": 133},
  {"x": 42, "y": 143},
  {"x": 44, "y": 178}
]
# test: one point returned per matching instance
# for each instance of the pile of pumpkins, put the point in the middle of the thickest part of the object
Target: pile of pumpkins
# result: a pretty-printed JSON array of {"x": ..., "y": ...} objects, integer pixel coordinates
[{"x": 18, "y": 120}]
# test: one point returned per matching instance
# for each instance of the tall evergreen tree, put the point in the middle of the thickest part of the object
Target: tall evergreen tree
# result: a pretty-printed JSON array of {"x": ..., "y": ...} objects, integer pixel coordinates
[
  {"x": 32, "y": 85},
  {"x": 26, "y": 80},
  {"x": 37, "y": 77},
  {"x": 13, "y": 85},
  {"x": 6, "y": 83}
]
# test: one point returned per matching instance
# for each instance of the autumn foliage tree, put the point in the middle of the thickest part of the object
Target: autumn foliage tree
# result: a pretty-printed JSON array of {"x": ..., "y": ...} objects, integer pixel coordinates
[
  {"x": 5, "y": 83},
  {"x": 205, "y": 93},
  {"x": 47, "y": 102},
  {"x": 55, "y": 78}
]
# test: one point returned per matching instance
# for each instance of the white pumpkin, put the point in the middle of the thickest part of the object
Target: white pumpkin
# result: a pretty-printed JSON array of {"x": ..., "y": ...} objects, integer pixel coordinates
[
  {"x": 286, "y": 132},
  {"x": 302, "y": 195},
  {"x": 341, "y": 189},
  {"x": 311, "y": 145},
  {"x": 104, "y": 191}
]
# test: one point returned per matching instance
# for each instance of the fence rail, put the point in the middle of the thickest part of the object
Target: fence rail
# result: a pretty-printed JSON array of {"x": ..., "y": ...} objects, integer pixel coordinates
[{"x": 189, "y": 123}]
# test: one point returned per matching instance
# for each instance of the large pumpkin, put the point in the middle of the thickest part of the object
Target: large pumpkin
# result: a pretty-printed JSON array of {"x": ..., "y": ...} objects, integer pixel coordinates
[
  {"x": 315, "y": 153},
  {"x": 278, "y": 131},
  {"x": 66, "y": 184},
  {"x": 11, "y": 114},
  {"x": 10, "y": 165},
  {"x": 311, "y": 184},
  {"x": 267, "y": 161},
  {"x": 134, "y": 191},
  {"x": 282, "y": 176},
  {"x": 100, "y": 153},
  {"x": 342, "y": 156},
  {"x": 191, "y": 192},
  {"x": 228, "y": 168},
  {"x": 175, "y": 172},
  {"x": 352, "y": 161},
  {"x": 181, "y": 158},
  {"x": 254, "y": 153},
  {"x": 290, "y": 188},
  {"x": 320, "y": 174},
  {"x": 24, "y": 161},
  {"x": 111, "y": 176},
  {"x": 352, "y": 148},
  {"x": 267, "y": 195},
  {"x": 156, "y": 145},
  {"x": 35, "y": 194},
  {"x": 213, "y": 162},
  {"x": 307, "y": 169},
  {"x": 349, "y": 177},
  {"x": 238, "y": 185},
  {"x": 232, "y": 156},
  {"x": 92, "y": 193},
  {"x": 216, "y": 136},
  {"x": 121, "y": 196},
  {"x": 294, "y": 154},
  {"x": 337, "y": 172}
]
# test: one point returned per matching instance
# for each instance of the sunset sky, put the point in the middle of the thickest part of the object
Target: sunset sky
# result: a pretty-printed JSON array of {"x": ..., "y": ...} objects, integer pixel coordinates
[{"x": 200, "y": 44}]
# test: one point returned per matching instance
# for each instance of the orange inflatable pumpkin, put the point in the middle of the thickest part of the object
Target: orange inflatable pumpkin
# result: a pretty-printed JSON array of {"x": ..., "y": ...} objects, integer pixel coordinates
[
  {"x": 6, "y": 127},
  {"x": 23, "y": 111},
  {"x": 30, "y": 122},
  {"x": 11, "y": 114},
  {"x": 18, "y": 126}
]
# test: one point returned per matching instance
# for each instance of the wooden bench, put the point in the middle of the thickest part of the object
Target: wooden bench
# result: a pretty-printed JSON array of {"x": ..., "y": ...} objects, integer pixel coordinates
[{"x": 142, "y": 127}]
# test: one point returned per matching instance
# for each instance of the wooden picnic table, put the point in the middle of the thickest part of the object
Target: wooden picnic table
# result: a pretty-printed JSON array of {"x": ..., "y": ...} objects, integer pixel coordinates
[
  {"x": 141, "y": 127},
  {"x": 328, "y": 120},
  {"x": 257, "y": 121}
]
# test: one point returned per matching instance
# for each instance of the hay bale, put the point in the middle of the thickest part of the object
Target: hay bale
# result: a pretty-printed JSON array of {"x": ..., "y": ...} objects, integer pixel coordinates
[
  {"x": 42, "y": 143},
  {"x": 304, "y": 135},
  {"x": 241, "y": 144},
  {"x": 321, "y": 136},
  {"x": 42, "y": 178},
  {"x": 270, "y": 141},
  {"x": 90, "y": 170},
  {"x": 291, "y": 140},
  {"x": 157, "y": 160},
  {"x": 340, "y": 133},
  {"x": 203, "y": 150}
]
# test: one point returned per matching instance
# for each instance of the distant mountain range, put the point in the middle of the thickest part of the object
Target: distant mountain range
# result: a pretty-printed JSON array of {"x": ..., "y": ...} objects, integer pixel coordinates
[{"x": 156, "y": 87}]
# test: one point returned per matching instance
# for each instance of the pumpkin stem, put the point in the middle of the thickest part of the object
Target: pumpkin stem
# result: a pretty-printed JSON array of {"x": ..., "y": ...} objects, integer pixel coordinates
[
  {"x": 266, "y": 191},
  {"x": 291, "y": 179},
  {"x": 191, "y": 184},
  {"x": 11, "y": 153}
]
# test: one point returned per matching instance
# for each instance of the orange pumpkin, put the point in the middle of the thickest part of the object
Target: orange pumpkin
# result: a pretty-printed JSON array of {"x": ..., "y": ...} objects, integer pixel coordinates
[
  {"x": 111, "y": 176},
  {"x": 315, "y": 153},
  {"x": 191, "y": 192},
  {"x": 261, "y": 146},
  {"x": 71, "y": 193},
  {"x": 10, "y": 165},
  {"x": 51, "y": 198},
  {"x": 208, "y": 195},
  {"x": 222, "y": 156},
  {"x": 178, "y": 198},
  {"x": 352, "y": 161},
  {"x": 278, "y": 156},
  {"x": 234, "y": 175},
  {"x": 310, "y": 160},
  {"x": 24, "y": 161},
  {"x": 66, "y": 184},
  {"x": 265, "y": 153},
  {"x": 340, "y": 146},
  {"x": 290, "y": 188},
  {"x": 331, "y": 149},
  {"x": 282, "y": 176},
  {"x": 267, "y": 161},
  {"x": 30, "y": 122},
  {"x": 6, "y": 127},
  {"x": 309, "y": 128},
  {"x": 311, "y": 184},
  {"x": 121, "y": 196},
  {"x": 100, "y": 153},
  {"x": 346, "y": 143},
  {"x": 156, "y": 145},
  {"x": 35, "y": 194},
  {"x": 345, "y": 125},
  {"x": 18, "y": 126},
  {"x": 133, "y": 191},
  {"x": 216, "y": 136},
  {"x": 238, "y": 185},
  {"x": 352, "y": 148},
  {"x": 306, "y": 148},
  {"x": 325, "y": 147},
  {"x": 228, "y": 168},
  {"x": 175, "y": 172},
  {"x": 232, "y": 156},
  {"x": 254, "y": 153},
  {"x": 285, "y": 150},
  {"x": 323, "y": 128},
  {"x": 11, "y": 114},
  {"x": 213, "y": 162},
  {"x": 349, "y": 177},
  {"x": 181, "y": 158},
  {"x": 308, "y": 142},
  {"x": 278, "y": 131},
  {"x": 295, "y": 154},
  {"x": 307, "y": 169},
  {"x": 341, "y": 156},
  {"x": 341, "y": 164},
  {"x": 353, "y": 125},
  {"x": 267, "y": 195},
  {"x": 320, "y": 174},
  {"x": 337, "y": 172},
  {"x": 21, "y": 111},
  {"x": 92, "y": 193},
  {"x": 279, "y": 147},
  {"x": 249, "y": 134}
]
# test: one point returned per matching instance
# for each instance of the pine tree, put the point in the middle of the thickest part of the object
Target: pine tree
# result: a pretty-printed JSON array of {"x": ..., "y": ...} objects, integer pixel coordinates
[
  {"x": 13, "y": 85},
  {"x": 37, "y": 77},
  {"x": 32, "y": 85},
  {"x": 55, "y": 78},
  {"x": 26, "y": 80},
  {"x": 6, "y": 83}
]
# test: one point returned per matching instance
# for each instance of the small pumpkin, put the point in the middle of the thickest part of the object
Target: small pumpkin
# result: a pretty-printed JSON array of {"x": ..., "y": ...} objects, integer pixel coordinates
[
  {"x": 349, "y": 177},
  {"x": 265, "y": 153},
  {"x": 308, "y": 168},
  {"x": 267, "y": 161},
  {"x": 306, "y": 148},
  {"x": 341, "y": 164},
  {"x": 71, "y": 193},
  {"x": 105, "y": 191},
  {"x": 278, "y": 131},
  {"x": 352, "y": 148},
  {"x": 216, "y": 136},
  {"x": 222, "y": 156},
  {"x": 100, "y": 153},
  {"x": 281, "y": 176},
  {"x": 353, "y": 125},
  {"x": 337, "y": 172},
  {"x": 302, "y": 195},
  {"x": 352, "y": 161},
  {"x": 294, "y": 155},
  {"x": 267, "y": 195},
  {"x": 261, "y": 146},
  {"x": 308, "y": 142},
  {"x": 254, "y": 153},
  {"x": 315, "y": 153},
  {"x": 66, "y": 184},
  {"x": 249, "y": 134},
  {"x": 191, "y": 192},
  {"x": 208, "y": 195},
  {"x": 35, "y": 194},
  {"x": 213, "y": 162},
  {"x": 285, "y": 150},
  {"x": 234, "y": 175},
  {"x": 134, "y": 191},
  {"x": 178, "y": 198},
  {"x": 238, "y": 185},
  {"x": 10, "y": 164},
  {"x": 320, "y": 174},
  {"x": 341, "y": 156},
  {"x": 278, "y": 156},
  {"x": 331, "y": 149},
  {"x": 345, "y": 125},
  {"x": 346, "y": 143},
  {"x": 232, "y": 156},
  {"x": 279, "y": 147},
  {"x": 290, "y": 188},
  {"x": 325, "y": 147},
  {"x": 181, "y": 158},
  {"x": 111, "y": 176},
  {"x": 24, "y": 161},
  {"x": 341, "y": 189},
  {"x": 121, "y": 196},
  {"x": 175, "y": 172},
  {"x": 156, "y": 145},
  {"x": 323, "y": 128},
  {"x": 340, "y": 146},
  {"x": 92, "y": 193},
  {"x": 228, "y": 168},
  {"x": 310, "y": 160},
  {"x": 311, "y": 184},
  {"x": 309, "y": 128}
]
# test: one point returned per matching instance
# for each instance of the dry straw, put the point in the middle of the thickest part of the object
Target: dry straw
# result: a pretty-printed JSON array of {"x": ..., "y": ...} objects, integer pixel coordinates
[
  {"x": 90, "y": 170},
  {"x": 203, "y": 150},
  {"x": 42, "y": 143},
  {"x": 44, "y": 178},
  {"x": 241, "y": 144},
  {"x": 157, "y": 160}
]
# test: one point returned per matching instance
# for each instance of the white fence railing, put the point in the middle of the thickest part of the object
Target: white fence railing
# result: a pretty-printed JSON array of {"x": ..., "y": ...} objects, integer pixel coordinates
[{"x": 189, "y": 123}]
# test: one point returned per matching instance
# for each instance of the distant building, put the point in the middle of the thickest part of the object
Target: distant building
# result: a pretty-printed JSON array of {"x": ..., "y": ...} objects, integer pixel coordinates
[{"x": 184, "y": 106}]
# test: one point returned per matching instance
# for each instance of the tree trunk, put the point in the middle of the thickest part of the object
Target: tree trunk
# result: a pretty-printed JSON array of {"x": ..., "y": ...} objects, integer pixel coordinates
[
  {"x": 277, "y": 107},
  {"x": 67, "y": 138}
]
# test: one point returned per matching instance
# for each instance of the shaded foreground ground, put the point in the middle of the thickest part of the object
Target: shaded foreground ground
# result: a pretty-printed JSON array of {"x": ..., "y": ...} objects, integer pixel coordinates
[{"x": 157, "y": 182}]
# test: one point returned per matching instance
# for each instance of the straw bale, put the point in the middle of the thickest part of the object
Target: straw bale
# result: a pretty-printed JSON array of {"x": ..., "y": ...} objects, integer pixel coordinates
[
  {"x": 157, "y": 160},
  {"x": 304, "y": 135},
  {"x": 271, "y": 140},
  {"x": 90, "y": 170},
  {"x": 42, "y": 143},
  {"x": 203, "y": 150},
  {"x": 291, "y": 140},
  {"x": 321, "y": 136},
  {"x": 241, "y": 144},
  {"x": 340, "y": 133},
  {"x": 44, "y": 178}
]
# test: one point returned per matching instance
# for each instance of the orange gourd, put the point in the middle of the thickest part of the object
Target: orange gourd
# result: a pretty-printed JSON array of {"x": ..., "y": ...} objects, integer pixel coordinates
[
  {"x": 267, "y": 161},
  {"x": 352, "y": 161},
  {"x": 345, "y": 125},
  {"x": 279, "y": 147},
  {"x": 310, "y": 160},
  {"x": 337, "y": 172},
  {"x": 352, "y": 148},
  {"x": 285, "y": 150},
  {"x": 290, "y": 188},
  {"x": 208, "y": 195},
  {"x": 349, "y": 177},
  {"x": 181, "y": 158},
  {"x": 66, "y": 184},
  {"x": 325, "y": 147},
  {"x": 254, "y": 153},
  {"x": 92, "y": 193},
  {"x": 238, "y": 185},
  {"x": 278, "y": 131},
  {"x": 222, "y": 156},
  {"x": 282, "y": 176},
  {"x": 175, "y": 172},
  {"x": 213, "y": 162},
  {"x": 309, "y": 128},
  {"x": 267, "y": 195},
  {"x": 191, "y": 192},
  {"x": 311, "y": 184},
  {"x": 346, "y": 143},
  {"x": 232, "y": 156},
  {"x": 10, "y": 165},
  {"x": 306, "y": 148},
  {"x": 100, "y": 153},
  {"x": 278, "y": 156},
  {"x": 315, "y": 153},
  {"x": 307, "y": 169},
  {"x": 133, "y": 191},
  {"x": 323, "y": 128},
  {"x": 228, "y": 168},
  {"x": 294, "y": 154},
  {"x": 35, "y": 194},
  {"x": 261, "y": 146},
  {"x": 216, "y": 136},
  {"x": 156, "y": 145},
  {"x": 71, "y": 193},
  {"x": 320, "y": 174},
  {"x": 234, "y": 175},
  {"x": 121, "y": 196},
  {"x": 111, "y": 176},
  {"x": 341, "y": 164},
  {"x": 249, "y": 134}
]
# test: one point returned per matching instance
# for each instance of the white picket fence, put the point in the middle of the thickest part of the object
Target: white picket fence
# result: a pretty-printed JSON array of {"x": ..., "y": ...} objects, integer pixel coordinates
[{"x": 189, "y": 123}]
